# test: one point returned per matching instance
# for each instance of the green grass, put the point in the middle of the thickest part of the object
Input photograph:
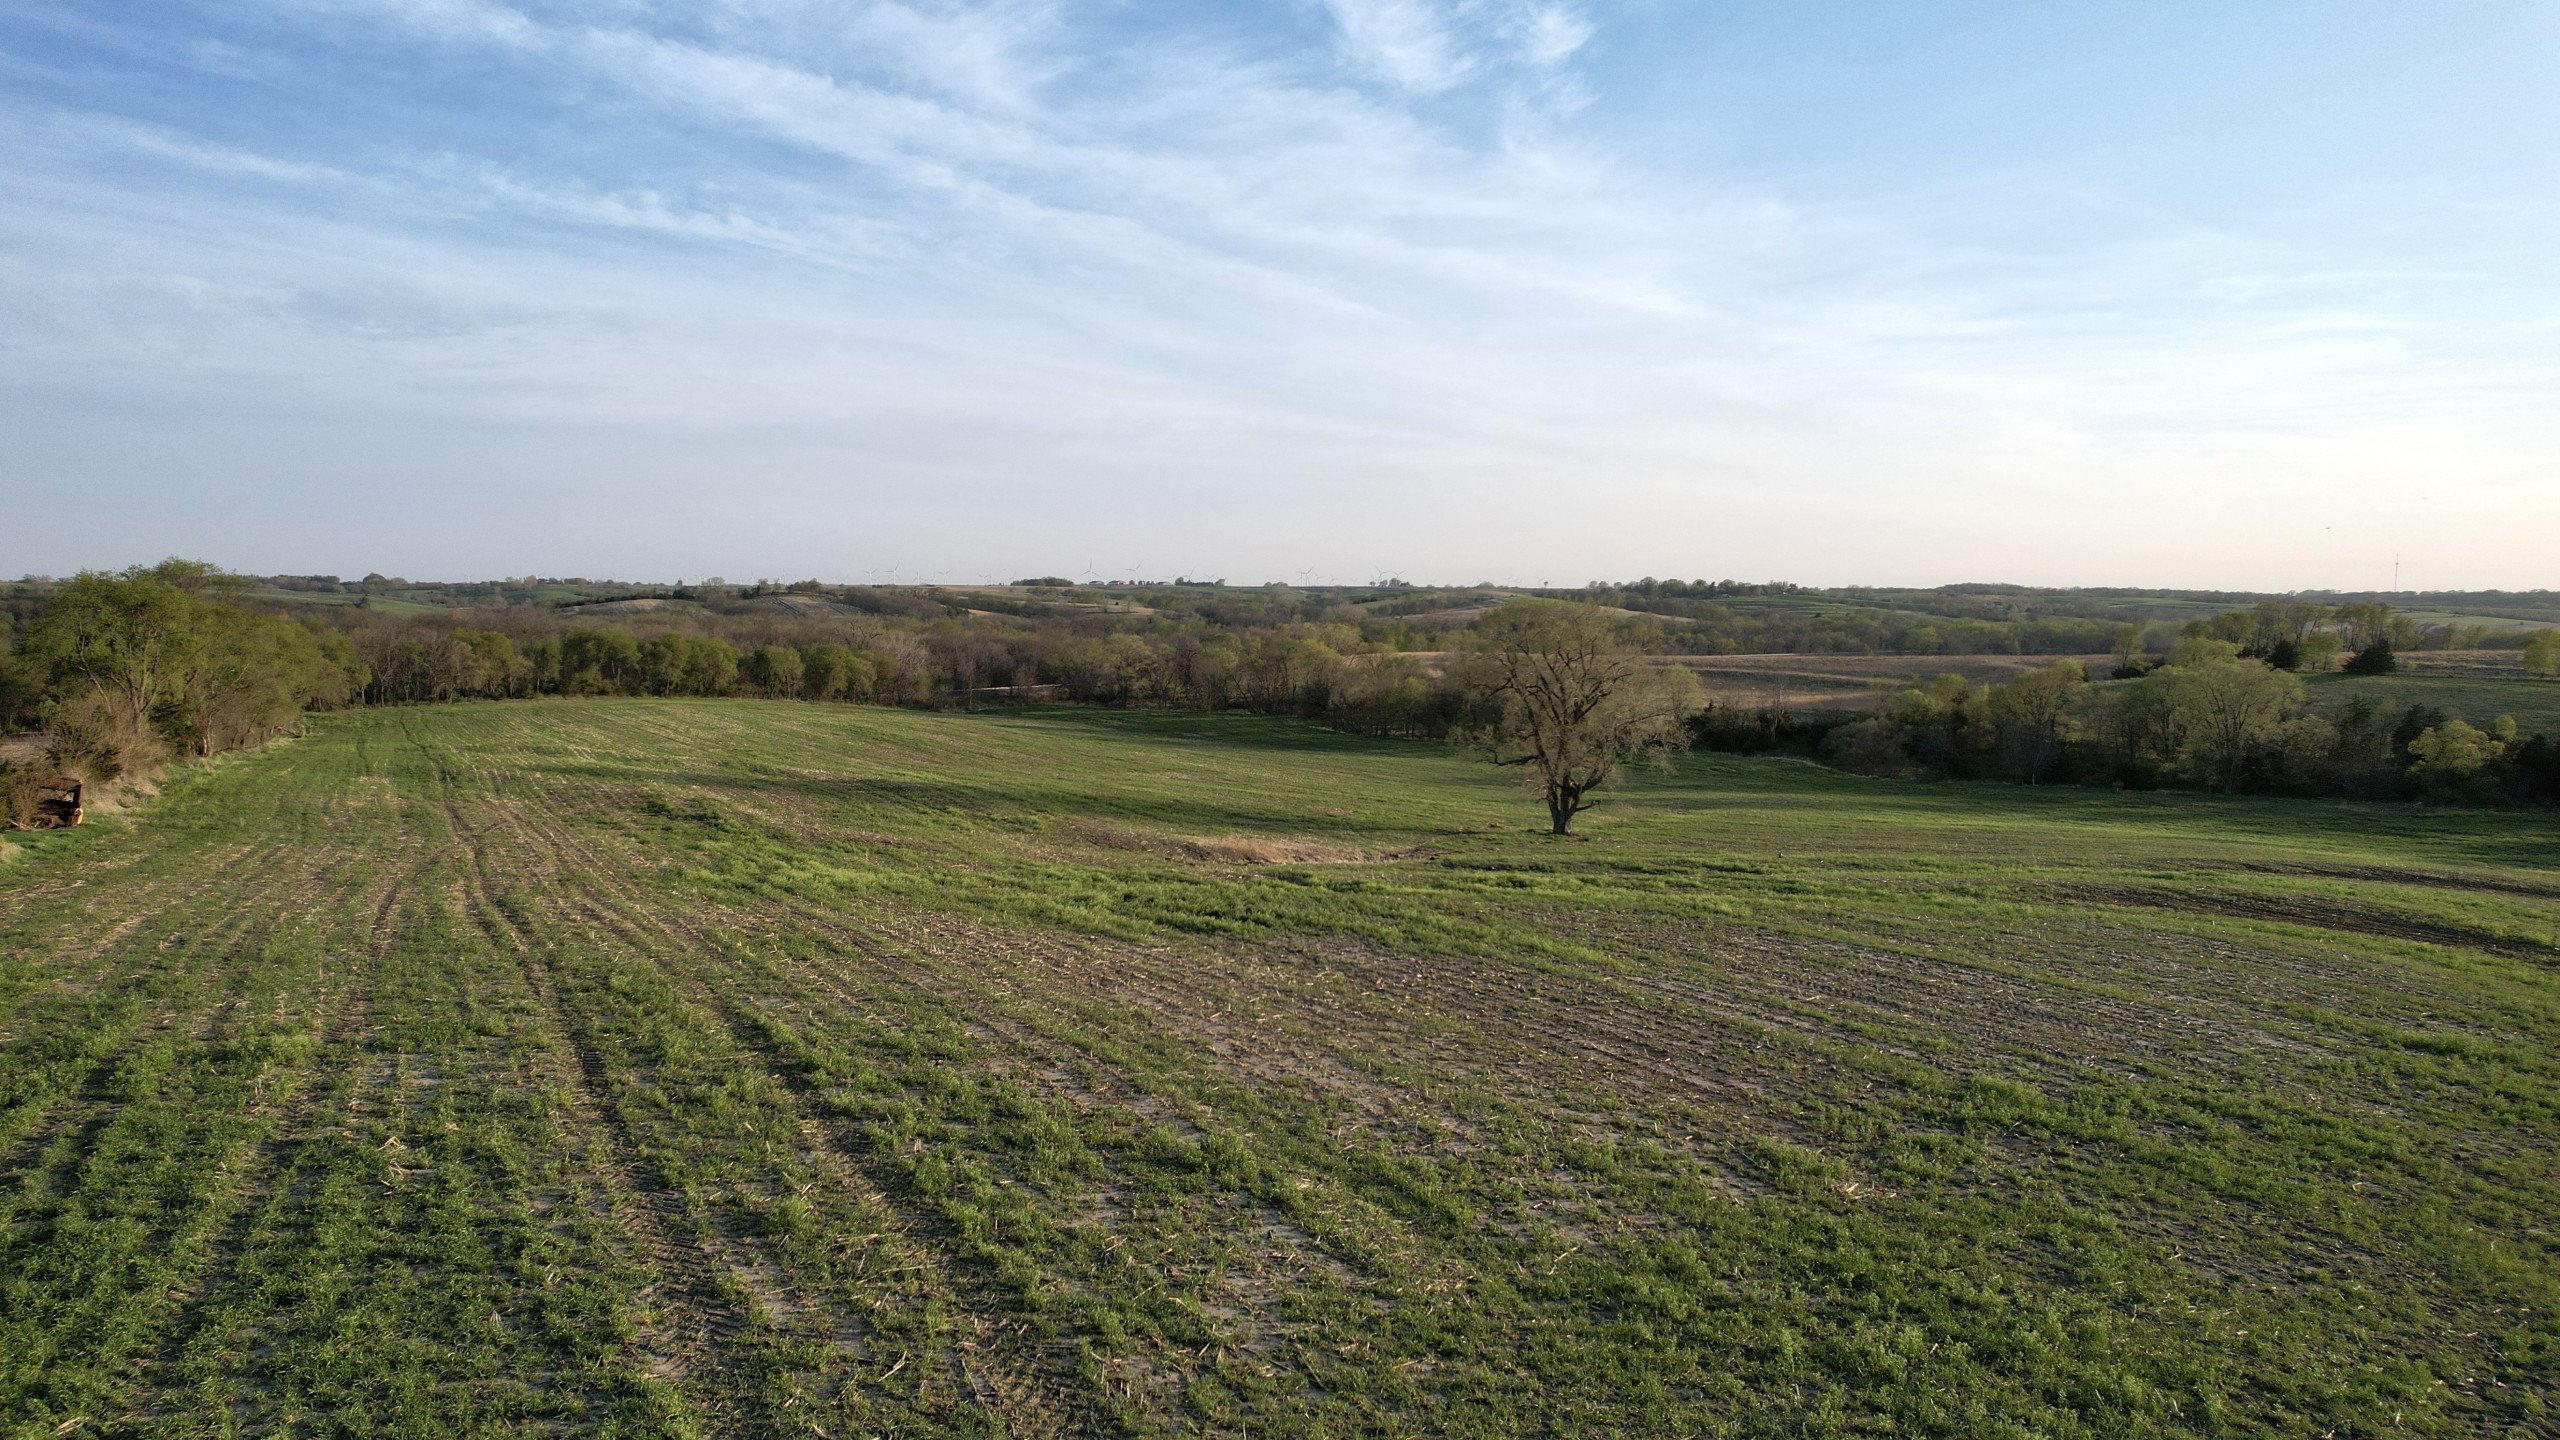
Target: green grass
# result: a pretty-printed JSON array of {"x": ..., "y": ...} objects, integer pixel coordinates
[
  {"x": 2534, "y": 703},
  {"x": 2523, "y": 619},
  {"x": 728, "y": 1068}
]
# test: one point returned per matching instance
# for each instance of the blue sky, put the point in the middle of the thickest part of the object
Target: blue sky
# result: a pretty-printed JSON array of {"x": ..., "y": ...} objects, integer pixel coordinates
[{"x": 2254, "y": 294}]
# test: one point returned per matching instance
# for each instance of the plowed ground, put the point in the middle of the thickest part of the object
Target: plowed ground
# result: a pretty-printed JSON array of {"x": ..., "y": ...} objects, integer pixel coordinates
[{"x": 736, "y": 1068}]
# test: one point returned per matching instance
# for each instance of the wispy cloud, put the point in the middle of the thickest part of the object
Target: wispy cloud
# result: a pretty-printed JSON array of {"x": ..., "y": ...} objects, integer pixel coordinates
[
  {"x": 1549, "y": 35},
  {"x": 928, "y": 258},
  {"x": 1429, "y": 46},
  {"x": 161, "y": 144},
  {"x": 1410, "y": 42}
]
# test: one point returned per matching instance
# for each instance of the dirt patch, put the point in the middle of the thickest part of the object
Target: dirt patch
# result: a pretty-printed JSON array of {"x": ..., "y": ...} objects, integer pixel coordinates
[
  {"x": 1835, "y": 682},
  {"x": 2393, "y": 875},
  {"x": 1223, "y": 849},
  {"x": 807, "y": 606},
  {"x": 2470, "y": 664},
  {"x": 641, "y": 606},
  {"x": 2323, "y": 915}
]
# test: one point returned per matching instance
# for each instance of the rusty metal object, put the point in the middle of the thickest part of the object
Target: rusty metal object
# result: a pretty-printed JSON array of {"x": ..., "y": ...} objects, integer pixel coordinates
[{"x": 58, "y": 802}]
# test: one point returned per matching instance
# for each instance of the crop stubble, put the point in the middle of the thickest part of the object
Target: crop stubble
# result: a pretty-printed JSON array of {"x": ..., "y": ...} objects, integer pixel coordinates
[{"x": 686, "y": 1011}]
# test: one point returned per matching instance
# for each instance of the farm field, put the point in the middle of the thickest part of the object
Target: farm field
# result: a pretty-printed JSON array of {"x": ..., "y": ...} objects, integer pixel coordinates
[
  {"x": 2475, "y": 696},
  {"x": 2478, "y": 685},
  {"x": 728, "y": 1068},
  {"x": 1851, "y": 682},
  {"x": 2463, "y": 664}
]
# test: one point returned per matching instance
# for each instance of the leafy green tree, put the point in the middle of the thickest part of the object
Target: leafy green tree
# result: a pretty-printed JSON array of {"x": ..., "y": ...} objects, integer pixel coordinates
[
  {"x": 1873, "y": 746},
  {"x": 2456, "y": 758},
  {"x": 158, "y": 654},
  {"x": 542, "y": 665},
  {"x": 873, "y": 679},
  {"x": 2036, "y": 714},
  {"x": 2364, "y": 624},
  {"x": 687, "y": 665},
  {"x": 21, "y": 692},
  {"x": 1572, "y": 701},
  {"x": 825, "y": 671},
  {"x": 599, "y": 662},
  {"x": 1384, "y": 695},
  {"x": 2377, "y": 658},
  {"x": 2221, "y": 705},
  {"x": 250, "y": 677},
  {"x": 128, "y": 640},
  {"x": 1946, "y": 725},
  {"x": 2131, "y": 659},
  {"x": 778, "y": 670},
  {"x": 1288, "y": 673},
  {"x": 2542, "y": 655},
  {"x": 485, "y": 662}
]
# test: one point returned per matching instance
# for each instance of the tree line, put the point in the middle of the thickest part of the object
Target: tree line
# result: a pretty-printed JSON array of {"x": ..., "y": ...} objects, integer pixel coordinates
[
  {"x": 2208, "y": 716},
  {"x": 125, "y": 669}
]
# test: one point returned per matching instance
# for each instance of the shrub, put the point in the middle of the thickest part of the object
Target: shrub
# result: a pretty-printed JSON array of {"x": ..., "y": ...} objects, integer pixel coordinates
[
  {"x": 2542, "y": 655},
  {"x": 17, "y": 797},
  {"x": 98, "y": 740},
  {"x": 775, "y": 670},
  {"x": 2457, "y": 759},
  {"x": 1872, "y": 746}
]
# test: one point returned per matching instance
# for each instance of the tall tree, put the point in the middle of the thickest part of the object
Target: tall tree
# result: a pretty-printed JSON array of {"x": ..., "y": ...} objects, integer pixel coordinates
[
  {"x": 129, "y": 639},
  {"x": 2035, "y": 714},
  {"x": 2542, "y": 654},
  {"x": 2223, "y": 705},
  {"x": 1570, "y": 700}
]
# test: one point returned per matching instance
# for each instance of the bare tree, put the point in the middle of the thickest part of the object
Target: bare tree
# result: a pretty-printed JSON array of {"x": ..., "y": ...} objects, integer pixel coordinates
[{"x": 1570, "y": 699}]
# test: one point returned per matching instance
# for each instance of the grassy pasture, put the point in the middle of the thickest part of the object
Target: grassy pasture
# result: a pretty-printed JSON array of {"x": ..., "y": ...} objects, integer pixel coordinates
[
  {"x": 2476, "y": 697},
  {"x": 1851, "y": 682},
  {"x": 729, "y": 1068},
  {"x": 2522, "y": 618}
]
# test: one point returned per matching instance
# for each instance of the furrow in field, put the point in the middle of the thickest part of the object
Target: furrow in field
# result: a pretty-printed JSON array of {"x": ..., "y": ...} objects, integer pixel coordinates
[
  {"x": 1359, "y": 1022},
  {"x": 694, "y": 1344},
  {"x": 1813, "y": 985},
  {"x": 78, "y": 958},
  {"x": 2322, "y": 914},
  {"x": 343, "y": 1009},
  {"x": 181, "y": 981},
  {"x": 990, "y": 1364},
  {"x": 155, "y": 1180},
  {"x": 1048, "y": 1000},
  {"x": 789, "y": 1291},
  {"x": 431, "y": 1204},
  {"x": 1650, "y": 1023},
  {"x": 1251, "y": 1251}
]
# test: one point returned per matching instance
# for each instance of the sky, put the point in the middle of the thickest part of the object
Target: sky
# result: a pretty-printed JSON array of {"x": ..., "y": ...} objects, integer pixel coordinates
[{"x": 2256, "y": 295}]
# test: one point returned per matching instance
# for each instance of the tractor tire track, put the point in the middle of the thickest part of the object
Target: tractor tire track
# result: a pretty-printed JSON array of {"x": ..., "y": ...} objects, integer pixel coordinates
[
  {"x": 1035, "y": 1393},
  {"x": 347, "y": 1008},
  {"x": 697, "y": 1347}
]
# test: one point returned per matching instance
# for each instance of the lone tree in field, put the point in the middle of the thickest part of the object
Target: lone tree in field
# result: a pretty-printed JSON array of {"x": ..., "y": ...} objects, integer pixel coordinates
[
  {"x": 2542, "y": 655},
  {"x": 1569, "y": 698}
]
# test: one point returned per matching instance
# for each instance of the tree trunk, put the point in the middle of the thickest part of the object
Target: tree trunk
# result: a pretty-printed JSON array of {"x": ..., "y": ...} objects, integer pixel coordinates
[{"x": 1562, "y": 803}]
